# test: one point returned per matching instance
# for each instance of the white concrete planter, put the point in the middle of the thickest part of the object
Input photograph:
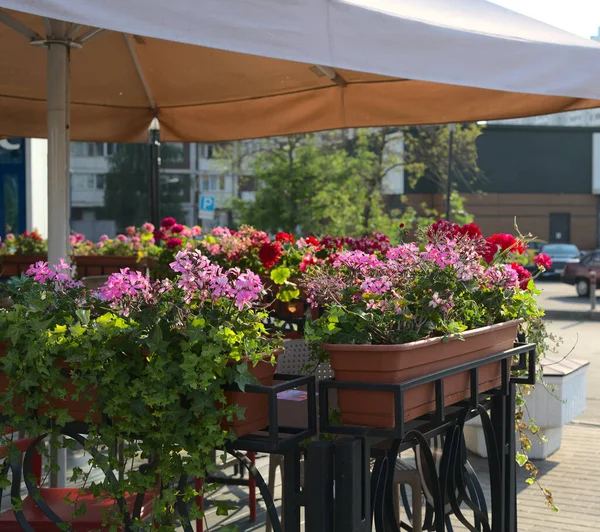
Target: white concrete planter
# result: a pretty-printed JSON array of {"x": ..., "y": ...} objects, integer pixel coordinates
[{"x": 551, "y": 411}]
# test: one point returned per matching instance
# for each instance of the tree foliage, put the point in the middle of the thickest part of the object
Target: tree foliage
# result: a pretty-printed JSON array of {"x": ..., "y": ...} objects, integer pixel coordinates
[{"x": 336, "y": 182}]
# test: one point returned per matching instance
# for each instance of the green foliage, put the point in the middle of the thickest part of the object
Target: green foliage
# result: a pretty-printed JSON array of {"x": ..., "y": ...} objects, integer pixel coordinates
[
  {"x": 335, "y": 183},
  {"x": 306, "y": 186},
  {"x": 152, "y": 377}
]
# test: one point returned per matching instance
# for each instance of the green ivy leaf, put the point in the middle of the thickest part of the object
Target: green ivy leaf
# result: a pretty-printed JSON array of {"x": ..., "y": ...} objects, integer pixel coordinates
[
  {"x": 243, "y": 377},
  {"x": 288, "y": 294},
  {"x": 280, "y": 275},
  {"x": 521, "y": 459}
]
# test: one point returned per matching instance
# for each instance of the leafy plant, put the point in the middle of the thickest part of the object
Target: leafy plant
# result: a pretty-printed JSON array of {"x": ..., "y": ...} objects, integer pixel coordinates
[
  {"x": 450, "y": 280},
  {"x": 146, "y": 362}
]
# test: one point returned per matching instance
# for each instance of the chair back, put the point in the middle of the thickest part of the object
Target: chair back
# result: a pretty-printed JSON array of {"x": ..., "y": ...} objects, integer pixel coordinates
[
  {"x": 94, "y": 281},
  {"x": 295, "y": 359}
]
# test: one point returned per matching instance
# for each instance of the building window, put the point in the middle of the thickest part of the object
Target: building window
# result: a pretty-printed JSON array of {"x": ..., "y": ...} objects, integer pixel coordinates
[
  {"x": 222, "y": 182},
  {"x": 100, "y": 182},
  {"x": 110, "y": 148},
  {"x": 206, "y": 151},
  {"x": 78, "y": 149},
  {"x": 95, "y": 149},
  {"x": 213, "y": 182},
  {"x": 178, "y": 152}
]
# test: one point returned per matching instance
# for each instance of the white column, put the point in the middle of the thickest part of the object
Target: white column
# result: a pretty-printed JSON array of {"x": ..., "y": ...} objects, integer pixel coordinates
[
  {"x": 59, "y": 204},
  {"x": 36, "y": 185},
  {"x": 58, "y": 80}
]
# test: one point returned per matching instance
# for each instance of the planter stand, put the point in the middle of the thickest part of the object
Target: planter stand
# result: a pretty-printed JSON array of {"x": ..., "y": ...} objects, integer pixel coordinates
[{"x": 552, "y": 410}]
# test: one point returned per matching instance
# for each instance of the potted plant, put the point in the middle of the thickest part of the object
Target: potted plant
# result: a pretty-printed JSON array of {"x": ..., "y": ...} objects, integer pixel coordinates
[
  {"x": 110, "y": 255},
  {"x": 446, "y": 299},
  {"x": 149, "y": 361},
  {"x": 19, "y": 252}
]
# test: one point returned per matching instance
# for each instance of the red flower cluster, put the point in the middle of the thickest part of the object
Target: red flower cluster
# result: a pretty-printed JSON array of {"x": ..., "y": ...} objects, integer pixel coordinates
[
  {"x": 284, "y": 237},
  {"x": 307, "y": 261},
  {"x": 173, "y": 243},
  {"x": 523, "y": 274},
  {"x": 167, "y": 223},
  {"x": 313, "y": 242},
  {"x": 543, "y": 260},
  {"x": 502, "y": 242},
  {"x": 445, "y": 228},
  {"x": 332, "y": 242},
  {"x": 369, "y": 244},
  {"x": 33, "y": 235},
  {"x": 269, "y": 254},
  {"x": 177, "y": 228}
]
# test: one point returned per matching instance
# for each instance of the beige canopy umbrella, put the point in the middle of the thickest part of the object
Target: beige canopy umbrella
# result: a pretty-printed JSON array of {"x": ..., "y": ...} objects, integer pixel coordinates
[{"x": 226, "y": 69}]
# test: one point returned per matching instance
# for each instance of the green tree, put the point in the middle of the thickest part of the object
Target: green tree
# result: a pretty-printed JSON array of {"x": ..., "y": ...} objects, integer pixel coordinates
[
  {"x": 306, "y": 185},
  {"x": 127, "y": 196},
  {"x": 427, "y": 151},
  {"x": 335, "y": 182}
]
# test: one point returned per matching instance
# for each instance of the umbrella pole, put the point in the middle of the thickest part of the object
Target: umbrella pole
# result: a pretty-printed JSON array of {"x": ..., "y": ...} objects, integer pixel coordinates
[
  {"x": 58, "y": 79},
  {"x": 59, "y": 205}
]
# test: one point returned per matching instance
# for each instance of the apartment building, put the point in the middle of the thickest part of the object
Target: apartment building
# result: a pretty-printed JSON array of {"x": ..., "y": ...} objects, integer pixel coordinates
[{"x": 194, "y": 165}]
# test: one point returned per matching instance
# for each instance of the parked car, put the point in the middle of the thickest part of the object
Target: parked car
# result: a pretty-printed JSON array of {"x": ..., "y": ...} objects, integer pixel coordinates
[
  {"x": 561, "y": 255},
  {"x": 578, "y": 273}
]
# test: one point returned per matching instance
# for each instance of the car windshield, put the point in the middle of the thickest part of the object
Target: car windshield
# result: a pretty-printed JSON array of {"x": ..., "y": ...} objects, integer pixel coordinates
[{"x": 561, "y": 249}]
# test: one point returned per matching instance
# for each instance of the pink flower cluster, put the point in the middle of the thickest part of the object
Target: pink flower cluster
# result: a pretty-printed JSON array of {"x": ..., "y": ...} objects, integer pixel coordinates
[
  {"x": 201, "y": 278},
  {"x": 60, "y": 274},
  {"x": 234, "y": 245}
]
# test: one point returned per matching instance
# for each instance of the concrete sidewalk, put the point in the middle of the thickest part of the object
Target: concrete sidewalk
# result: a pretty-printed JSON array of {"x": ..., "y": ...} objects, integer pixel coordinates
[{"x": 561, "y": 302}]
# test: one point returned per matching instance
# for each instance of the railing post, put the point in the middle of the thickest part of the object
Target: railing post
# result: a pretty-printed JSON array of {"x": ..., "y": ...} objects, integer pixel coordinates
[
  {"x": 350, "y": 484},
  {"x": 499, "y": 416},
  {"x": 593, "y": 283},
  {"x": 319, "y": 486},
  {"x": 291, "y": 490}
]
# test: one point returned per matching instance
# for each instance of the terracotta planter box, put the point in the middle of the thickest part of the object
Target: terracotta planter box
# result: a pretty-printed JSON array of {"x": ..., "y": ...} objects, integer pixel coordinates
[
  {"x": 77, "y": 409},
  {"x": 256, "y": 416},
  {"x": 90, "y": 265},
  {"x": 399, "y": 363},
  {"x": 17, "y": 264}
]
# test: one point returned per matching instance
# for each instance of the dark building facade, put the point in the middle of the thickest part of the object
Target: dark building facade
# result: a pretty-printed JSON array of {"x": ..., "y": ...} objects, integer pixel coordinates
[{"x": 546, "y": 177}]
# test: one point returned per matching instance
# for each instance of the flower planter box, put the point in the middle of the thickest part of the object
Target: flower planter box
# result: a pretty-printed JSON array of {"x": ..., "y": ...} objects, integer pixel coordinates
[
  {"x": 294, "y": 311},
  {"x": 91, "y": 265},
  {"x": 399, "y": 363},
  {"x": 78, "y": 409},
  {"x": 256, "y": 416},
  {"x": 17, "y": 264}
]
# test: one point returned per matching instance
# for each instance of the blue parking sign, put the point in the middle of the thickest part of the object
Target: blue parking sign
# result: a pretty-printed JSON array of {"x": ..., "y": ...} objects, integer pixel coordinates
[{"x": 207, "y": 207}]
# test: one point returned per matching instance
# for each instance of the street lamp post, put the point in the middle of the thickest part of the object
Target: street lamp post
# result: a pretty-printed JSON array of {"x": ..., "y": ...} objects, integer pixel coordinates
[
  {"x": 154, "y": 144},
  {"x": 451, "y": 128}
]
